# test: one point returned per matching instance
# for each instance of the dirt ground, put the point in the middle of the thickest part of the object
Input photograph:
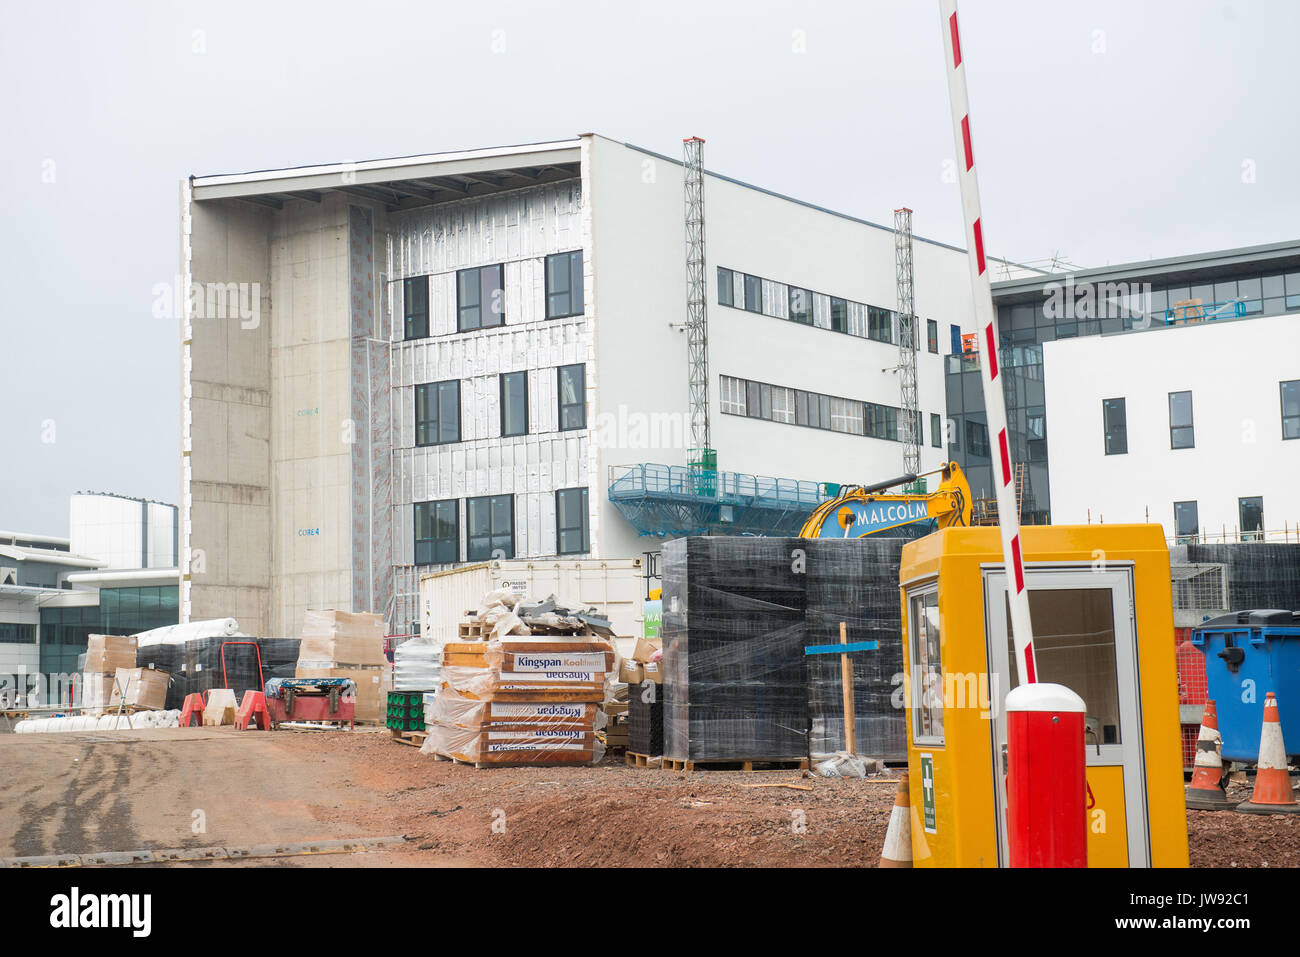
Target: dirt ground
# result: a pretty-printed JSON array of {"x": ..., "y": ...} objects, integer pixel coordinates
[{"x": 103, "y": 791}]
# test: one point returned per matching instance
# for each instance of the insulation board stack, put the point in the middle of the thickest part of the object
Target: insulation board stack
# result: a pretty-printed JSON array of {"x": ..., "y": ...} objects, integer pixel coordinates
[
  {"x": 855, "y": 581},
  {"x": 735, "y": 681},
  {"x": 104, "y": 655},
  {"x": 142, "y": 688},
  {"x": 521, "y": 699},
  {"x": 341, "y": 644}
]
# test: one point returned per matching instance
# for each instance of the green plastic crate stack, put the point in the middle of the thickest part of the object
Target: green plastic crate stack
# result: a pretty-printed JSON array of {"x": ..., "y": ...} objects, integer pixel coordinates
[{"x": 405, "y": 710}]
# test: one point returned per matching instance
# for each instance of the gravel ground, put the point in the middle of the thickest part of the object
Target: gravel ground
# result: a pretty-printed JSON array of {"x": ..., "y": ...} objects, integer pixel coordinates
[{"x": 616, "y": 816}]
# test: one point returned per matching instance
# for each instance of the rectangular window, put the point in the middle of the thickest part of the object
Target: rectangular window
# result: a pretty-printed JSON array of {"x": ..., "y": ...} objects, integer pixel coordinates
[
  {"x": 514, "y": 403},
  {"x": 1251, "y": 511},
  {"x": 480, "y": 298},
  {"x": 932, "y": 336},
  {"x": 415, "y": 307},
  {"x": 839, "y": 315},
  {"x": 571, "y": 521},
  {"x": 801, "y": 307},
  {"x": 573, "y": 397},
  {"x": 1181, "y": 434},
  {"x": 17, "y": 634},
  {"x": 879, "y": 324},
  {"x": 437, "y": 413},
  {"x": 1187, "y": 525},
  {"x": 726, "y": 287},
  {"x": 977, "y": 439},
  {"x": 490, "y": 528},
  {"x": 753, "y": 294},
  {"x": 1291, "y": 409},
  {"x": 1114, "y": 420},
  {"x": 782, "y": 405},
  {"x": 563, "y": 285},
  {"x": 732, "y": 395},
  {"x": 936, "y": 430},
  {"x": 437, "y": 532},
  {"x": 927, "y": 668}
]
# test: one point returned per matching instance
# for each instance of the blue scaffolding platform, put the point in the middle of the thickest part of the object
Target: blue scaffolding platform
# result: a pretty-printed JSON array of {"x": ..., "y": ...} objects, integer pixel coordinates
[{"x": 676, "y": 500}]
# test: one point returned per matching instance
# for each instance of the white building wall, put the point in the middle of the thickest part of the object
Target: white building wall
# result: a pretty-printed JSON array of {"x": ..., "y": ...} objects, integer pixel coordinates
[
  {"x": 112, "y": 529},
  {"x": 1233, "y": 370},
  {"x": 638, "y": 225}
]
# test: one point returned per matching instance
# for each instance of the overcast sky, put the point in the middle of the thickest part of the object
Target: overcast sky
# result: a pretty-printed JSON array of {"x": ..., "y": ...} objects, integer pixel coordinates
[{"x": 1105, "y": 132}]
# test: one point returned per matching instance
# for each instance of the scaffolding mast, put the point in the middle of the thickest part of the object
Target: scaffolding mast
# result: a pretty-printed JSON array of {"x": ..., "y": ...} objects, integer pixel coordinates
[
  {"x": 697, "y": 330},
  {"x": 909, "y": 426}
]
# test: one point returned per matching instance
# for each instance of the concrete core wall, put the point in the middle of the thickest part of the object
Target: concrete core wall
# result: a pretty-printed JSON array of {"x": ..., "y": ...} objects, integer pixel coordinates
[{"x": 230, "y": 485}]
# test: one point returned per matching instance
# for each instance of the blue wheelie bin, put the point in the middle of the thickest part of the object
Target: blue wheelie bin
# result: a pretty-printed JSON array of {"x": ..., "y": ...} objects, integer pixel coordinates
[{"x": 1247, "y": 655}]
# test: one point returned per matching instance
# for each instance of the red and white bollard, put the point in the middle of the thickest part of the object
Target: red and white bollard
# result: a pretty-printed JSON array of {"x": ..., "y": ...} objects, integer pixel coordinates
[{"x": 1047, "y": 824}]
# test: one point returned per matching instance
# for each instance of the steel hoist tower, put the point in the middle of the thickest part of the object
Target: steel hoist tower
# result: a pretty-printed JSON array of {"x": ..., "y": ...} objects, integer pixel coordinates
[
  {"x": 909, "y": 425},
  {"x": 702, "y": 458}
]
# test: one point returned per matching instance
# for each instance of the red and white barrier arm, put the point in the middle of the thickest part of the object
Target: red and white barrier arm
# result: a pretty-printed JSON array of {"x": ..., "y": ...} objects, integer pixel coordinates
[{"x": 986, "y": 323}]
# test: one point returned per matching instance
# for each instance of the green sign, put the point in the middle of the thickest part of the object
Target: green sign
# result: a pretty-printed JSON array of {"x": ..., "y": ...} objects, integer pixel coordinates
[
  {"x": 927, "y": 792},
  {"x": 654, "y": 617}
]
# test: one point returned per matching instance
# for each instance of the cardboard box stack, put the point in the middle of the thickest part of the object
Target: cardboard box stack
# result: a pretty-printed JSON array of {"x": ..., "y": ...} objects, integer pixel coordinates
[
  {"x": 522, "y": 698},
  {"x": 104, "y": 655},
  {"x": 616, "y": 718},
  {"x": 142, "y": 688},
  {"x": 341, "y": 644}
]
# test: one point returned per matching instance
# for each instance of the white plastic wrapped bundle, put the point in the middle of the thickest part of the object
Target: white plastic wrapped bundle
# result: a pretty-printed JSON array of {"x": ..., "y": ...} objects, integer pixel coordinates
[
  {"x": 175, "y": 634},
  {"x": 418, "y": 664}
]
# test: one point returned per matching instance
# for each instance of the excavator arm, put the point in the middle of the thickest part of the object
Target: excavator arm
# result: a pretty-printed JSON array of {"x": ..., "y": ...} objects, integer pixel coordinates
[{"x": 860, "y": 511}]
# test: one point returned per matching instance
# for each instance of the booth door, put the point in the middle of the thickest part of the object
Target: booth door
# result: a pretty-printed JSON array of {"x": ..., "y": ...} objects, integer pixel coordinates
[{"x": 1083, "y": 639}]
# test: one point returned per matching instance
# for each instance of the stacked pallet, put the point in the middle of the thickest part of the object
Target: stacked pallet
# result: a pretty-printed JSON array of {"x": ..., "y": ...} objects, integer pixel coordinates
[
  {"x": 340, "y": 644},
  {"x": 104, "y": 655},
  {"x": 521, "y": 699}
]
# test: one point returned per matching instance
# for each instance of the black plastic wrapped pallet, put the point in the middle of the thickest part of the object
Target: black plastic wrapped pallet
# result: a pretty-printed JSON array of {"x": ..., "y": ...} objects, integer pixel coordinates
[
  {"x": 855, "y": 581},
  {"x": 733, "y": 630},
  {"x": 196, "y": 665},
  {"x": 1260, "y": 574},
  {"x": 645, "y": 722}
]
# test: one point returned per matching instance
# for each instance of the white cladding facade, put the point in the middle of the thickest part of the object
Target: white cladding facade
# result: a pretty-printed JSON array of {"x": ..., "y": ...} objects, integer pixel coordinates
[
  {"x": 122, "y": 532},
  {"x": 1234, "y": 371},
  {"x": 303, "y": 469}
]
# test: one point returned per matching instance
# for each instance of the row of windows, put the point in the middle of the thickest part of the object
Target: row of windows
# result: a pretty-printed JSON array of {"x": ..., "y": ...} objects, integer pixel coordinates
[
  {"x": 1250, "y": 513},
  {"x": 1182, "y": 429},
  {"x": 490, "y": 527},
  {"x": 744, "y": 291},
  {"x": 437, "y": 405},
  {"x": 14, "y": 633},
  {"x": 480, "y": 295},
  {"x": 760, "y": 400}
]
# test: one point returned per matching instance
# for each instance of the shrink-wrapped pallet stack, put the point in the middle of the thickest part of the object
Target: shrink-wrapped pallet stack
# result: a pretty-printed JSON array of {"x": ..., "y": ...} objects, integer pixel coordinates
[
  {"x": 341, "y": 644},
  {"x": 522, "y": 697}
]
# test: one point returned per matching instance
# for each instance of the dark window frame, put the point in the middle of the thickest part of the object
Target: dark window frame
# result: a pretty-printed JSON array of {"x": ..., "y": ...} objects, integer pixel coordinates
[
  {"x": 432, "y": 508},
  {"x": 501, "y": 385},
  {"x": 753, "y": 303},
  {"x": 584, "y": 527},
  {"x": 936, "y": 430},
  {"x": 1294, "y": 419},
  {"x": 729, "y": 284},
  {"x": 839, "y": 314},
  {"x": 462, "y": 307},
  {"x": 932, "y": 336},
  {"x": 415, "y": 324},
  {"x": 474, "y": 552},
  {"x": 1179, "y": 535},
  {"x": 1254, "y": 534},
  {"x": 581, "y": 402},
  {"x": 574, "y": 258},
  {"x": 1189, "y": 428},
  {"x": 433, "y": 422},
  {"x": 793, "y": 292},
  {"x": 1120, "y": 431}
]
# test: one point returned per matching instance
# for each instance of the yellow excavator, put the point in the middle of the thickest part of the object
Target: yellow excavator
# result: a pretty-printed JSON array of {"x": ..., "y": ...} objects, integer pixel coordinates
[{"x": 859, "y": 511}]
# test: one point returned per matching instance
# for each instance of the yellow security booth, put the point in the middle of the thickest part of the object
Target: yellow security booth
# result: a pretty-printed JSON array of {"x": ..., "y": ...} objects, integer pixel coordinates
[{"x": 1102, "y": 610}]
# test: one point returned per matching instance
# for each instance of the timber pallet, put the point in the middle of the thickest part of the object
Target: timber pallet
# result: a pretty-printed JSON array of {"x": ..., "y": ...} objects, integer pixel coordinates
[
  {"x": 414, "y": 738},
  {"x": 634, "y": 760},
  {"x": 472, "y": 630},
  {"x": 438, "y": 756},
  {"x": 752, "y": 764}
]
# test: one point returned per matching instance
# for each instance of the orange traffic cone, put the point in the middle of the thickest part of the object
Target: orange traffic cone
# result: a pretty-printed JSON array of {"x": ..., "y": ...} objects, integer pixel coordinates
[
  {"x": 898, "y": 838},
  {"x": 1272, "y": 794},
  {"x": 1207, "y": 792}
]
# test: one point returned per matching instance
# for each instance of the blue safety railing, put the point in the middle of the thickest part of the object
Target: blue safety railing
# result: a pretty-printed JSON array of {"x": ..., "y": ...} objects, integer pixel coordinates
[{"x": 685, "y": 484}]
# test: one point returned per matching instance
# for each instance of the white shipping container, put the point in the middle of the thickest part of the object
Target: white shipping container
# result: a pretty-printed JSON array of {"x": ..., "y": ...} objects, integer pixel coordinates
[{"x": 615, "y": 586}]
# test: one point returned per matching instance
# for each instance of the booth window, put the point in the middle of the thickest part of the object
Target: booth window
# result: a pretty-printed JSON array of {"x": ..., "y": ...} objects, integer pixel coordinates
[
  {"x": 1074, "y": 645},
  {"x": 927, "y": 669}
]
